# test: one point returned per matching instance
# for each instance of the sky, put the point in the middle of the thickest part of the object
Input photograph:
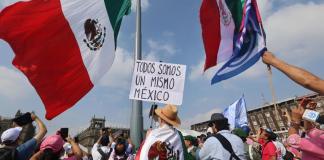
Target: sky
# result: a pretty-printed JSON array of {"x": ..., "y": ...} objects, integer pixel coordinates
[{"x": 171, "y": 33}]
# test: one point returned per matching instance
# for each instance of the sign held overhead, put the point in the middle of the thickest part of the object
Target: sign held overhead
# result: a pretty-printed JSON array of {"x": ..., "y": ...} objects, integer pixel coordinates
[{"x": 158, "y": 82}]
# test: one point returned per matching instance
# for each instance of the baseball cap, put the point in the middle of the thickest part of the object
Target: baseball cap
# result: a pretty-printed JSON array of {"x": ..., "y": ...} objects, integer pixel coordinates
[
  {"x": 11, "y": 134},
  {"x": 54, "y": 142}
]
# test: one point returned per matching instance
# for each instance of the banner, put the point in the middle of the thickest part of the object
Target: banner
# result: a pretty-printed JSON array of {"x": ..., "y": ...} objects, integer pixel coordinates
[{"x": 158, "y": 82}]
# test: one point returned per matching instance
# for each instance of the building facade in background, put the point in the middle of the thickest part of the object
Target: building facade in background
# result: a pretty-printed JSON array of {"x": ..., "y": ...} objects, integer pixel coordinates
[
  {"x": 89, "y": 136},
  {"x": 27, "y": 132},
  {"x": 267, "y": 116}
]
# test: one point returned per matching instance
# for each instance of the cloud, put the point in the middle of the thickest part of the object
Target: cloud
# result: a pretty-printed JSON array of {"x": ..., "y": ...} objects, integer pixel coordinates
[
  {"x": 202, "y": 117},
  {"x": 197, "y": 71},
  {"x": 291, "y": 31},
  {"x": 297, "y": 32},
  {"x": 119, "y": 76},
  {"x": 144, "y": 4},
  {"x": 13, "y": 85},
  {"x": 159, "y": 50},
  {"x": 265, "y": 7}
]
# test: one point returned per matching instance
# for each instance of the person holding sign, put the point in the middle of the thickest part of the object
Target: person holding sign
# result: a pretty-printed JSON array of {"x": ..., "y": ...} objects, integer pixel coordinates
[
  {"x": 164, "y": 142},
  {"x": 299, "y": 75}
]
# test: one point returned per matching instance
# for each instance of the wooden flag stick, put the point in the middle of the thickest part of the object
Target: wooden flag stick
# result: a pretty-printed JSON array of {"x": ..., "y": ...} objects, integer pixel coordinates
[{"x": 272, "y": 91}]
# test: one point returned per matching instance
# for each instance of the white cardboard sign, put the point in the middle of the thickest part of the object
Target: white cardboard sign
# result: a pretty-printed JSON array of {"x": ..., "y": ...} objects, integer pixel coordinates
[{"x": 158, "y": 82}]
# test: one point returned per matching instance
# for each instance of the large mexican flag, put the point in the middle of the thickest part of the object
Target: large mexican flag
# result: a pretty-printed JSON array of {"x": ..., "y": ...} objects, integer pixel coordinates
[
  {"x": 63, "y": 46},
  {"x": 220, "y": 24}
]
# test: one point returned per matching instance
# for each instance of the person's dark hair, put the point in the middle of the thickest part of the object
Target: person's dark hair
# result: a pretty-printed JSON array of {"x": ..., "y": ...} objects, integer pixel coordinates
[
  {"x": 203, "y": 137},
  {"x": 48, "y": 154},
  {"x": 104, "y": 140},
  {"x": 9, "y": 143},
  {"x": 120, "y": 141},
  {"x": 303, "y": 135},
  {"x": 221, "y": 125},
  {"x": 210, "y": 124}
]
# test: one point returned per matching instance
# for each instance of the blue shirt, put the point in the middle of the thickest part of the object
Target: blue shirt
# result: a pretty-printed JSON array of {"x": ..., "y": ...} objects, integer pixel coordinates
[
  {"x": 26, "y": 149},
  {"x": 213, "y": 149}
]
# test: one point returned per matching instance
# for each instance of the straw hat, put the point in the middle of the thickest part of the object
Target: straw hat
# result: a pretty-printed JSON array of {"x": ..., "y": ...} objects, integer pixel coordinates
[{"x": 169, "y": 113}]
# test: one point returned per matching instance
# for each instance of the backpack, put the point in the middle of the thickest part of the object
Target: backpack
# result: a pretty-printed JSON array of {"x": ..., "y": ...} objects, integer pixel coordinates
[
  {"x": 286, "y": 155},
  {"x": 227, "y": 145},
  {"x": 104, "y": 156},
  {"x": 7, "y": 153}
]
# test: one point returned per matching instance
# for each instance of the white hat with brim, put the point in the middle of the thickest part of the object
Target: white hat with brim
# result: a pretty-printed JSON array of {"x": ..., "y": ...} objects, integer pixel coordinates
[
  {"x": 169, "y": 114},
  {"x": 11, "y": 134}
]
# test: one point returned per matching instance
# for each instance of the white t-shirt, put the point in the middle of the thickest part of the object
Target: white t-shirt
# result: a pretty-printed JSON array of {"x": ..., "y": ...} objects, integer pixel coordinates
[{"x": 95, "y": 154}]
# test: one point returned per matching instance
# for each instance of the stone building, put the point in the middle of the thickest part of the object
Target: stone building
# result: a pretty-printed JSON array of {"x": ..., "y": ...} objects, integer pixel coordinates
[
  {"x": 266, "y": 116},
  {"x": 90, "y": 135},
  {"x": 27, "y": 132}
]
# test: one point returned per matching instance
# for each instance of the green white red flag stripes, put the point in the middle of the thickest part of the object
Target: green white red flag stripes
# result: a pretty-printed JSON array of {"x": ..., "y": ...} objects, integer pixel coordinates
[
  {"x": 220, "y": 20},
  {"x": 162, "y": 143},
  {"x": 63, "y": 46}
]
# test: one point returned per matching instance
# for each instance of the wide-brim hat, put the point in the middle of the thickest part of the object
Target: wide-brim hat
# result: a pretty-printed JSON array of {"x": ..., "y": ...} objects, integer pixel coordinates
[
  {"x": 169, "y": 113},
  {"x": 218, "y": 117}
]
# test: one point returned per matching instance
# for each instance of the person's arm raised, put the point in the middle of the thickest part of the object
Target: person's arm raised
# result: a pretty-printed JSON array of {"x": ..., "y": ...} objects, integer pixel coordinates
[
  {"x": 296, "y": 117},
  {"x": 41, "y": 126},
  {"x": 75, "y": 148},
  {"x": 299, "y": 75}
]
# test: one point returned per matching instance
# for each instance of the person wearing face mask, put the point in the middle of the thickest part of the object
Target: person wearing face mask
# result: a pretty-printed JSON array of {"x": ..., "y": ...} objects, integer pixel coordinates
[{"x": 266, "y": 137}]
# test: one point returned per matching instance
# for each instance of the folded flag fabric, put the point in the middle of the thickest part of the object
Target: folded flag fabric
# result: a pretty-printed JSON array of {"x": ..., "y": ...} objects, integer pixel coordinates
[
  {"x": 63, "y": 46},
  {"x": 162, "y": 143},
  {"x": 218, "y": 30},
  {"x": 247, "y": 36},
  {"x": 236, "y": 114}
]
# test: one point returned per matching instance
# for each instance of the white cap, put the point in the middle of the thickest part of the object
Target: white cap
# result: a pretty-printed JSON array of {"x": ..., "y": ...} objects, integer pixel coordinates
[
  {"x": 11, "y": 134},
  {"x": 68, "y": 148}
]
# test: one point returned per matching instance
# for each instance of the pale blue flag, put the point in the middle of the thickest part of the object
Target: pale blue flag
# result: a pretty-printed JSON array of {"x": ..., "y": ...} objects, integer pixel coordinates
[{"x": 236, "y": 114}]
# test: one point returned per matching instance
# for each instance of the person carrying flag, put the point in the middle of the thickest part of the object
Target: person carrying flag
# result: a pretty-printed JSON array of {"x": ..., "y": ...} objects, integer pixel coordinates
[
  {"x": 298, "y": 75},
  {"x": 164, "y": 142}
]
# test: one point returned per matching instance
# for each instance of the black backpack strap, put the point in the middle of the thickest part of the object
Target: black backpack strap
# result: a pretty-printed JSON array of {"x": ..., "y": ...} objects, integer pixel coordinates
[
  {"x": 104, "y": 156},
  {"x": 227, "y": 145},
  {"x": 14, "y": 154},
  {"x": 109, "y": 153}
]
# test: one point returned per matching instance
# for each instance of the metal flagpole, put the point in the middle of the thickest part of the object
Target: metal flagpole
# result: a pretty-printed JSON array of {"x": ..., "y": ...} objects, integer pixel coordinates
[{"x": 136, "y": 124}]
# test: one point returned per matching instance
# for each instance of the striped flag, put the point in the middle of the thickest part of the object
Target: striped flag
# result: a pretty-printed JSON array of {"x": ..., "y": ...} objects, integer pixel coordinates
[
  {"x": 248, "y": 40},
  {"x": 220, "y": 21},
  {"x": 236, "y": 114},
  {"x": 63, "y": 46}
]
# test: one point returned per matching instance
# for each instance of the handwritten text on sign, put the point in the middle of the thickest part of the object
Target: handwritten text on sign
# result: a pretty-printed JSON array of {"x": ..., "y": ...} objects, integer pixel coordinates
[{"x": 158, "y": 82}]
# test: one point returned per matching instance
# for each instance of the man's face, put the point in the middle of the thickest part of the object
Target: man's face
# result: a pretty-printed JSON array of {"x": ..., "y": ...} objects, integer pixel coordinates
[
  {"x": 187, "y": 143},
  {"x": 214, "y": 128}
]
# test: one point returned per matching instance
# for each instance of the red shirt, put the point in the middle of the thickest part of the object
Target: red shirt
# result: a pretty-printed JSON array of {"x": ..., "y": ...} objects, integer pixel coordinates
[{"x": 268, "y": 149}]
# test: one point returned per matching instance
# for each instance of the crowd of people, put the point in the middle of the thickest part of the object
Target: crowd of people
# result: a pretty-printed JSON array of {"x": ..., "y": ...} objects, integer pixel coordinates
[{"x": 305, "y": 138}]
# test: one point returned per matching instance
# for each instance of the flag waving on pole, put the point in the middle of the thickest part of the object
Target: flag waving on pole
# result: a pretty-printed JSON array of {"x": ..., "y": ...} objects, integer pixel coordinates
[
  {"x": 63, "y": 46},
  {"x": 236, "y": 114},
  {"x": 248, "y": 38}
]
